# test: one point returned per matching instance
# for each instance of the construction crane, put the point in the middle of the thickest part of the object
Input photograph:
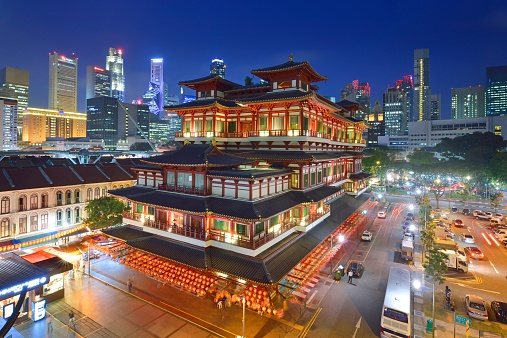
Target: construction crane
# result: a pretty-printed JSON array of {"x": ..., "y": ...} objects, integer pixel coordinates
[{"x": 137, "y": 125}]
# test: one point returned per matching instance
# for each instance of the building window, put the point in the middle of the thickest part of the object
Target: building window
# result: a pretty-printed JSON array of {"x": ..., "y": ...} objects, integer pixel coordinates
[
  {"x": 139, "y": 208},
  {"x": 274, "y": 221},
  {"x": 278, "y": 123},
  {"x": 231, "y": 127},
  {"x": 34, "y": 224},
  {"x": 104, "y": 191},
  {"x": 151, "y": 210},
  {"x": 77, "y": 195},
  {"x": 284, "y": 84},
  {"x": 170, "y": 179},
  {"x": 305, "y": 180},
  {"x": 59, "y": 198},
  {"x": 68, "y": 216},
  {"x": 44, "y": 221},
  {"x": 5, "y": 230},
  {"x": 259, "y": 227},
  {"x": 89, "y": 194},
  {"x": 44, "y": 200},
  {"x": 34, "y": 201},
  {"x": 68, "y": 197},
  {"x": 77, "y": 215},
  {"x": 241, "y": 229},
  {"x": 22, "y": 203},
  {"x": 220, "y": 225},
  {"x": 294, "y": 178},
  {"x": 59, "y": 216},
  {"x": 22, "y": 225},
  {"x": 6, "y": 205},
  {"x": 97, "y": 192}
]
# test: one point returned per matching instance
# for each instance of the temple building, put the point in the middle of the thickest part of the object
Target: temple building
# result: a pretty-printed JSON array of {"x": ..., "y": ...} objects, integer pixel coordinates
[{"x": 247, "y": 195}]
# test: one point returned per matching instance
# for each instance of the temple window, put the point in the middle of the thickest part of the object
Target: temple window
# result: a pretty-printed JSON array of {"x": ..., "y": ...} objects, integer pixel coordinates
[
  {"x": 263, "y": 123},
  {"x": 284, "y": 85},
  {"x": 205, "y": 94},
  {"x": 278, "y": 123},
  {"x": 220, "y": 126},
  {"x": 170, "y": 178},
  {"x": 231, "y": 127},
  {"x": 259, "y": 227},
  {"x": 274, "y": 221},
  {"x": 304, "y": 85},
  {"x": 305, "y": 180},
  {"x": 209, "y": 125},
  {"x": 241, "y": 229},
  {"x": 199, "y": 181},
  {"x": 220, "y": 225},
  {"x": 294, "y": 122}
]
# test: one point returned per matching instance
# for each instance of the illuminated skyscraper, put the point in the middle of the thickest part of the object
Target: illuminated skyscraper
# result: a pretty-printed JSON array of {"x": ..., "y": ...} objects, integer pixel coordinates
[
  {"x": 62, "y": 82},
  {"x": 359, "y": 93},
  {"x": 468, "y": 102},
  {"x": 98, "y": 82},
  {"x": 9, "y": 124},
  {"x": 154, "y": 97},
  {"x": 396, "y": 104},
  {"x": 114, "y": 64},
  {"x": 217, "y": 67},
  {"x": 496, "y": 94},
  {"x": 422, "y": 91},
  {"x": 14, "y": 85}
]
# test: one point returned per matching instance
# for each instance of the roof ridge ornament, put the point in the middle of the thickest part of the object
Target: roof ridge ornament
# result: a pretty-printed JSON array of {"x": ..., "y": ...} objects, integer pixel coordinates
[{"x": 290, "y": 57}]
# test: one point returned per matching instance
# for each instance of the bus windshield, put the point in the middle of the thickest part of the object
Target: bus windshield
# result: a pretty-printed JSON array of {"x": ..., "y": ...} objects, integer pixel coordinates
[{"x": 396, "y": 315}]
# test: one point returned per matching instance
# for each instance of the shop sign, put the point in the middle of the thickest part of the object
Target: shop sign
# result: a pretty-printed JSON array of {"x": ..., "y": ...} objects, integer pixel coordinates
[{"x": 16, "y": 289}]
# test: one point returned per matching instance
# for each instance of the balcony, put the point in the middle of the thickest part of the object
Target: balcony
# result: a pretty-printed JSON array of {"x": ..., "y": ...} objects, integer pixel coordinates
[{"x": 186, "y": 190}]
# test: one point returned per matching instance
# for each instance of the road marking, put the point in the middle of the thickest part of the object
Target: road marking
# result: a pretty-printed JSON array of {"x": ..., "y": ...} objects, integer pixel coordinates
[
  {"x": 358, "y": 325},
  {"x": 494, "y": 267},
  {"x": 469, "y": 287}
]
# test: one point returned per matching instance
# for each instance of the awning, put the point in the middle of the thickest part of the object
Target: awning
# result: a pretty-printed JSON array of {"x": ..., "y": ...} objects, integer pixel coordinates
[{"x": 34, "y": 237}]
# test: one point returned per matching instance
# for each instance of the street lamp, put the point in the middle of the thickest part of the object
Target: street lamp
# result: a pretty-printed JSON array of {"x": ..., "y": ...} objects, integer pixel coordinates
[
  {"x": 89, "y": 257},
  {"x": 243, "y": 301},
  {"x": 417, "y": 285}
]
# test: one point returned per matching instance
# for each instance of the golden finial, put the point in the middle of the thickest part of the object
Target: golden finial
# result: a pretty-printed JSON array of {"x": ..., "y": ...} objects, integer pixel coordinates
[{"x": 290, "y": 57}]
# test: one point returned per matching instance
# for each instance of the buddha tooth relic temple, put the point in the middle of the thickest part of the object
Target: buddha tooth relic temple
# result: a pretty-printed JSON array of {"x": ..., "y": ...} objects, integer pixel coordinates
[{"x": 248, "y": 195}]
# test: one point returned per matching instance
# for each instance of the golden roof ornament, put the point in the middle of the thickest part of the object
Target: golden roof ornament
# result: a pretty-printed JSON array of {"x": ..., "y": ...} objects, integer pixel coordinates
[
  {"x": 213, "y": 142},
  {"x": 290, "y": 57},
  {"x": 186, "y": 141}
]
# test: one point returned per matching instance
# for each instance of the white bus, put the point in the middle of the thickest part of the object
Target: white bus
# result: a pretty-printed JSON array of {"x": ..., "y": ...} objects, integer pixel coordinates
[{"x": 395, "y": 321}]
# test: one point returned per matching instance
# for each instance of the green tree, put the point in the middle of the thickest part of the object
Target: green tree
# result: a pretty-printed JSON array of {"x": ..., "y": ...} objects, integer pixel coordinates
[
  {"x": 497, "y": 167},
  {"x": 464, "y": 195},
  {"x": 141, "y": 146},
  {"x": 435, "y": 265},
  {"x": 496, "y": 200},
  {"x": 104, "y": 212},
  {"x": 438, "y": 190},
  {"x": 248, "y": 81},
  {"x": 427, "y": 236}
]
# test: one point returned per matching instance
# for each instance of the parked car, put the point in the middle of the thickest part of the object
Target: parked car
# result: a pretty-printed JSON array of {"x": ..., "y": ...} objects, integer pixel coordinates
[
  {"x": 454, "y": 209},
  {"x": 474, "y": 252},
  {"x": 483, "y": 216},
  {"x": 467, "y": 238},
  {"x": 475, "y": 212},
  {"x": 489, "y": 214},
  {"x": 381, "y": 214},
  {"x": 465, "y": 211},
  {"x": 407, "y": 236},
  {"x": 366, "y": 236},
  {"x": 409, "y": 214},
  {"x": 499, "y": 215},
  {"x": 458, "y": 223},
  {"x": 500, "y": 311},
  {"x": 475, "y": 307},
  {"x": 356, "y": 268}
]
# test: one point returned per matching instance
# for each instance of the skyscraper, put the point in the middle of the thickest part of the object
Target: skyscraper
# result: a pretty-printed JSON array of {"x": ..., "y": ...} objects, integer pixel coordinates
[
  {"x": 468, "y": 102},
  {"x": 422, "y": 91},
  {"x": 377, "y": 125},
  {"x": 62, "y": 82},
  {"x": 154, "y": 97},
  {"x": 496, "y": 93},
  {"x": 114, "y": 64},
  {"x": 217, "y": 67},
  {"x": 397, "y": 102},
  {"x": 9, "y": 124},
  {"x": 359, "y": 93},
  {"x": 98, "y": 82},
  {"x": 15, "y": 85},
  {"x": 436, "y": 107}
]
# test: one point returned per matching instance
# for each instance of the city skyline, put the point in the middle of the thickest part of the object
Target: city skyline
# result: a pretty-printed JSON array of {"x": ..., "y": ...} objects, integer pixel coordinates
[{"x": 469, "y": 39}]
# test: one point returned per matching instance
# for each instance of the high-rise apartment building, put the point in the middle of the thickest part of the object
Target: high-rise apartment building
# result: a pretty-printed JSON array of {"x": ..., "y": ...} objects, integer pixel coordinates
[
  {"x": 468, "y": 102},
  {"x": 496, "y": 93},
  {"x": 358, "y": 92},
  {"x": 377, "y": 125},
  {"x": 114, "y": 64},
  {"x": 217, "y": 67},
  {"x": 396, "y": 104},
  {"x": 422, "y": 91},
  {"x": 62, "y": 82},
  {"x": 40, "y": 124},
  {"x": 436, "y": 107},
  {"x": 98, "y": 82},
  {"x": 9, "y": 124}
]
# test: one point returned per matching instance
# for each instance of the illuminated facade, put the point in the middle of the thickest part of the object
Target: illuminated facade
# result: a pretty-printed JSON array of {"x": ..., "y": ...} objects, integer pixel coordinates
[
  {"x": 377, "y": 126},
  {"x": 358, "y": 92},
  {"x": 98, "y": 82},
  {"x": 40, "y": 124},
  {"x": 396, "y": 104},
  {"x": 154, "y": 97},
  {"x": 9, "y": 124},
  {"x": 217, "y": 67},
  {"x": 436, "y": 107},
  {"x": 114, "y": 64},
  {"x": 496, "y": 93},
  {"x": 62, "y": 82},
  {"x": 15, "y": 85},
  {"x": 422, "y": 91},
  {"x": 468, "y": 102}
]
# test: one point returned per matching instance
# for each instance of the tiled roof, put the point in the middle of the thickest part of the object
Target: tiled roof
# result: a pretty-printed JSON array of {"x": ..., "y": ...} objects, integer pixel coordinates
[
  {"x": 328, "y": 155},
  {"x": 275, "y": 96},
  {"x": 283, "y": 66},
  {"x": 359, "y": 176},
  {"x": 320, "y": 193},
  {"x": 277, "y": 155},
  {"x": 210, "y": 77},
  {"x": 290, "y": 65},
  {"x": 125, "y": 233},
  {"x": 254, "y": 86},
  {"x": 189, "y": 203},
  {"x": 23, "y": 178},
  {"x": 249, "y": 174},
  {"x": 353, "y": 119},
  {"x": 131, "y": 191},
  {"x": 115, "y": 172},
  {"x": 203, "y": 103},
  {"x": 197, "y": 154},
  {"x": 238, "y": 265}
]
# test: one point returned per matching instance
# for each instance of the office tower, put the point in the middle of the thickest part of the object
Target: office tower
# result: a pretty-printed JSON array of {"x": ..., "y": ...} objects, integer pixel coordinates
[
  {"x": 396, "y": 103},
  {"x": 113, "y": 121},
  {"x": 436, "y": 108},
  {"x": 171, "y": 100},
  {"x": 98, "y": 82},
  {"x": 359, "y": 93},
  {"x": 496, "y": 93},
  {"x": 114, "y": 64},
  {"x": 9, "y": 120},
  {"x": 154, "y": 97},
  {"x": 40, "y": 124},
  {"x": 217, "y": 67},
  {"x": 468, "y": 102},
  {"x": 377, "y": 125},
  {"x": 422, "y": 91},
  {"x": 15, "y": 85},
  {"x": 62, "y": 82}
]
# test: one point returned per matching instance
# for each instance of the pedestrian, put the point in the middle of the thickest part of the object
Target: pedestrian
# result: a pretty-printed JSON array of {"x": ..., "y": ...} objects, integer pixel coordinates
[
  {"x": 129, "y": 284},
  {"x": 72, "y": 323},
  {"x": 49, "y": 322},
  {"x": 350, "y": 274}
]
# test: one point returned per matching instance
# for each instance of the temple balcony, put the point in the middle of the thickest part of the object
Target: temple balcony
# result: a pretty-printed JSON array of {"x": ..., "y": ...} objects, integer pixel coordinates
[{"x": 181, "y": 189}]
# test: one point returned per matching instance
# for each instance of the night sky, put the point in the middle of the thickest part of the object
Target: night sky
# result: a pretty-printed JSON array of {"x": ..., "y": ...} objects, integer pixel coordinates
[{"x": 372, "y": 41}]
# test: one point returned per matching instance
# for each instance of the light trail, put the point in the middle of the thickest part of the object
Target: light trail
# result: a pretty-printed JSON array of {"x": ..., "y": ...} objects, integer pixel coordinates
[
  {"x": 486, "y": 238},
  {"x": 494, "y": 239}
]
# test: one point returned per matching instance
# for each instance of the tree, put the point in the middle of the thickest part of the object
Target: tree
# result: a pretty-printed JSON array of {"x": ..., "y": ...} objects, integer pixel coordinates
[
  {"x": 104, "y": 212},
  {"x": 497, "y": 167},
  {"x": 141, "y": 146},
  {"x": 427, "y": 236},
  {"x": 464, "y": 195},
  {"x": 438, "y": 190},
  {"x": 496, "y": 200},
  {"x": 248, "y": 81},
  {"x": 435, "y": 266}
]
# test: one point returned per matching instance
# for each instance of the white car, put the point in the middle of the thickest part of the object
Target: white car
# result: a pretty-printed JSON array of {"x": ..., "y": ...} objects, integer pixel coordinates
[
  {"x": 467, "y": 238},
  {"x": 381, "y": 214},
  {"x": 367, "y": 236},
  {"x": 475, "y": 307}
]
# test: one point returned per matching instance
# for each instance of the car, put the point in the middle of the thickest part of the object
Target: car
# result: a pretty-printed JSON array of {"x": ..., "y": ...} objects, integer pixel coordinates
[
  {"x": 475, "y": 212},
  {"x": 499, "y": 215},
  {"x": 467, "y": 238},
  {"x": 489, "y": 214},
  {"x": 409, "y": 214},
  {"x": 465, "y": 211},
  {"x": 356, "y": 268},
  {"x": 458, "y": 223},
  {"x": 475, "y": 307},
  {"x": 482, "y": 216},
  {"x": 454, "y": 209},
  {"x": 407, "y": 236},
  {"x": 381, "y": 214},
  {"x": 366, "y": 236},
  {"x": 409, "y": 218},
  {"x": 500, "y": 311},
  {"x": 473, "y": 252}
]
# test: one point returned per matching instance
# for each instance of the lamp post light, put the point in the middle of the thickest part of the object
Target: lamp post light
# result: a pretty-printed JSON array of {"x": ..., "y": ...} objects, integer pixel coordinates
[
  {"x": 243, "y": 301},
  {"x": 417, "y": 285},
  {"x": 89, "y": 257}
]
